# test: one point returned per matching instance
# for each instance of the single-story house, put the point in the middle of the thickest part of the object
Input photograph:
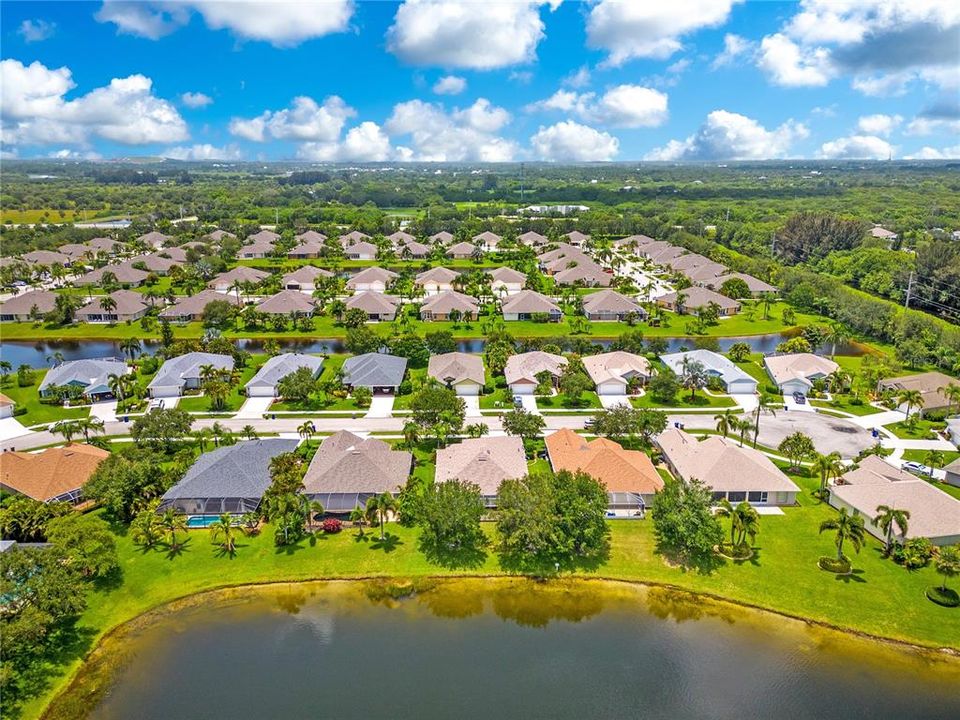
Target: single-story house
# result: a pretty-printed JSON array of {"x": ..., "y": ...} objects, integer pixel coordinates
[
  {"x": 309, "y": 245},
  {"x": 91, "y": 375},
  {"x": 630, "y": 477},
  {"x": 882, "y": 233},
  {"x": 380, "y": 372},
  {"x": 442, "y": 237},
  {"x": 795, "y": 372},
  {"x": 400, "y": 238},
  {"x": 522, "y": 369},
  {"x": 46, "y": 258},
  {"x": 704, "y": 274},
  {"x": 561, "y": 250},
  {"x": 263, "y": 236},
  {"x": 177, "y": 254},
  {"x": 588, "y": 274},
  {"x": 304, "y": 278},
  {"x": 52, "y": 475},
  {"x": 264, "y": 383},
  {"x": 191, "y": 308},
  {"x": 412, "y": 249},
  {"x": 687, "y": 262},
  {"x": 347, "y": 470},
  {"x": 613, "y": 372},
  {"x": 930, "y": 385},
  {"x": 310, "y": 236},
  {"x": 22, "y": 307},
  {"x": 360, "y": 251},
  {"x": 75, "y": 251},
  {"x": 377, "y": 306},
  {"x": 632, "y": 242},
  {"x": 609, "y": 305},
  {"x": 756, "y": 286},
  {"x": 736, "y": 380},
  {"x": 128, "y": 305},
  {"x": 461, "y": 251},
  {"x": 7, "y": 407},
  {"x": 218, "y": 235},
  {"x": 532, "y": 238},
  {"x": 953, "y": 473},
  {"x": 183, "y": 373},
  {"x": 240, "y": 274},
  {"x": 666, "y": 254},
  {"x": 352, "y": 238},
  {"x": 124, "y": 273},
  {"x": 650, "y": 249},
  {"x": 933, "y": 514},
  {"x": 438, "y": 307},
  {"x": 527, "y": 303},
  {"x": 696, "y": 298},
  {"x": 461, "y": 371},
  {"x": 731, "y": 472},
  {"x": 577, "y": 238},
  {"x": 231, "y": 479},
  {"x": 487, "y": 240},
  {"x": 154, "y": 239},
  {"x": 436, "y": 280},
  {"x": 287, "y": 302},
  {"x": 256, "y": 250},
  {"x": 107, "y": 245},
  {"x": 371, "y": 278},
  {"x": 484, "y": 461},
  {"x": 505, "y": 280}
]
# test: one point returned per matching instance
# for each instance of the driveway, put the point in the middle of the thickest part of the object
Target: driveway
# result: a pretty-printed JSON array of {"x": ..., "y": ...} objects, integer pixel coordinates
[
  {"x": 529, "y": 403},
  {"x": 473, "y": 405},
  {"x": 792, "y": 405},
  {"x": 381, "y": 406},
  {"x": 612, "y": 401},
  {"x": 254, "y": 408},
  {"x": 829, "y": 434},
  {"x": 11, "y": 428},
  {"x": 106, "y": 411}
]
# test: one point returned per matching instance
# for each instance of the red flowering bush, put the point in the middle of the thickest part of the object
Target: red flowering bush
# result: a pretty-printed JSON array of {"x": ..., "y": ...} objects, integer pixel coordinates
[{"x": 332, "y": 525}]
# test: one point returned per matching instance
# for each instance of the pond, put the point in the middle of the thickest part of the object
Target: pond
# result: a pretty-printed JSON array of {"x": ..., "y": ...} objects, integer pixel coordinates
[
  {"x": 509, "y": 648},
  {"x": 36, "y": 353}
]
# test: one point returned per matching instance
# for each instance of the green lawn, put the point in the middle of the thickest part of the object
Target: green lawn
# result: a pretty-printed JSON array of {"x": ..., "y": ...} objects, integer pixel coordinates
[
  {"x": 921, "y": 430},
  {"x": 37, "y": 412},
  {"x": 588, "y": 399},
  {"x": 235, "y": 399},
  {"x": 880, "y": 599},
  {"x": 701, "y": 400},
  {"x": 921, "y": 455},
  {"x": 842, "y": 403}
]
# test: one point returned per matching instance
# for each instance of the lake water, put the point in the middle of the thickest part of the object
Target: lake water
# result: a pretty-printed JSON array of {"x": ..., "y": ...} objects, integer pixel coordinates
[
  {"x": 35, "y": 354},
  {"x": 504, "y": 649}
]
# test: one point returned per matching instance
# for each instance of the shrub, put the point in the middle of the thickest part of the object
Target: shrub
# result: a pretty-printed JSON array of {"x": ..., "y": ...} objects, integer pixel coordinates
[
  {"x": 947, "y": 597},
  {"x": 832, "y": 565},
  {"x": 331, "y": 526},
  {"x": 915, "y": 553}
]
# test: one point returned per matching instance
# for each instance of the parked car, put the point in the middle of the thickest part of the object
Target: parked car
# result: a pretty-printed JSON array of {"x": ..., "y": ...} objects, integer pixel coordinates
[
  {"x": 914, "y": 466},
  {"x": 799, "y": 398}
]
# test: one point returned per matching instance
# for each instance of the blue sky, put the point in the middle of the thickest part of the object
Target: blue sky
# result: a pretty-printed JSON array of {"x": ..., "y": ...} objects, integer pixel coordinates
[{"x": 697, "y": 80}]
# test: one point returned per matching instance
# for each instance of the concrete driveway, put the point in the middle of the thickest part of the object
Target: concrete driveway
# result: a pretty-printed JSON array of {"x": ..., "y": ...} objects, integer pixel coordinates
[
  {"x": 829, "y": 434},
  {"x": 381, "y": 406},
  {"x": 472, "y": 403},
  {"x": 11, "y": 428},
  {"x": 253, "y": 408},
  {"x": 529, "y": 403},
  {"x": 612, "y": 401},
  {"x": 106, "y": 411}
]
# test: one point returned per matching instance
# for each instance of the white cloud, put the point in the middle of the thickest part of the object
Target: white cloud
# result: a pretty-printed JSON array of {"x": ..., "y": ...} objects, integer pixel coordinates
[
  {"x": 365, "y": 143},
  {"x": 621, "y": 106},
  {"x": 571, "y": 141},
  {"x": 34, "y": 109},
  {"x": 204, "y": 151},
  {"x": 36, "y": 30},
  {"x": 786, "y": 63},
  {"x": 630, "y": 30},
  {"x": 923, "y": 125},
  {"x": 929, "y": 153},
  {"x": 438, "y": 136},
  {"x": 280, "y": 22},
  {"x": 857, "y": 147},
  {"x": 879, "y": 124},
  {"x": 734, "y": 47},
  {"x": 67, "y": 154},
  {"x": 481, "y": 35},
  {"x": 195, "y": 99},
  {"x": 579, "y": 79},
  {"x": 304, "y": 120},
  {"x": 523, "y": 77},
  {"x": 883, "y": 45},
  {"x": 450, "y": 85},
  {"x": 729, "y": 136}
]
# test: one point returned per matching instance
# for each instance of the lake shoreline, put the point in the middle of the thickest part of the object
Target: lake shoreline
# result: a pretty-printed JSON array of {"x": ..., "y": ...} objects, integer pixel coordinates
[{"x": 94, "y": 674}]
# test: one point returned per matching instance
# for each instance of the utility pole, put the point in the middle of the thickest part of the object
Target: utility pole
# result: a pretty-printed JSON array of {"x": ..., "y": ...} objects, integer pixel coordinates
[{"x": 906, "y": 302}]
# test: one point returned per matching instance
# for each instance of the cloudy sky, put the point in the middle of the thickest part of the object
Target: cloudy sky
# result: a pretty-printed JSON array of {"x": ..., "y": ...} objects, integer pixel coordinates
[{"x": 439, "y": 80}]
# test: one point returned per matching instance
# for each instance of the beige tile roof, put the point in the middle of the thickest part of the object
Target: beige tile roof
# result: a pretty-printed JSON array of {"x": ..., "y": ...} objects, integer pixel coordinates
[
  {"x": 124, "y": 272},
  {"x": 21, "y": 304},
  {"x": 264, "y": 236},
  {"x": 401, "y": 237},
  {"x": 461, "y": 248},
  {"x": 310, "y": 236},
  {"x": 241, "y": 273},
  {"x": 487, "y": 238},
  {"x": 485, "y": 461},
  {"x": 755, "y": 284},
  {"x": 128, "y": 303},
  {"x": 371, "y": 275},
  {"x": 346, "y": 463},
  {"x": 617, "y": 366},
  {"x": 442, "y": 237},
  {"x": 704, "y": 273},
  {"x": 802, "y": 366},
  {"x": 437, "y": 275},
  {"x": 306, "y": 274},
  {"x": 928, "y": 383},
  {"x": 698, "y": 297},
  {"x": 373, "y": 302},
  {"x": 447, "y": 300},
  {"x": 532, "y": 238},
  {"x": 525, "y": 367},
  {"x": 52, "y": 472},
  {"x": 586, "y": 271},
  {"x": 722, "y": 464},
  {"x": 576, "y": 236},
  {"x": 353, "y": 237},
  {"x": 361, "y": 248},
  {"x": 507, "y": 275},
  {"x": 195, "y": 304},
  {"x": 287, "y": 301},
  {"x": 874, "y": 470},
  {"x": 618, "y": 469},
  {"x": 688, "y": 261},
  {"x": 456, "y": 367},
  {"x": 529, "y": 301},
  {"x": 610, "y": 301}
]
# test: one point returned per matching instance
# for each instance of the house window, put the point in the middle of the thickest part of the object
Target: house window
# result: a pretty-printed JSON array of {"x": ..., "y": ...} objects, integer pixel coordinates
[
  {"x": 757, "y": 497},
  {"x": 738, "y": 496},
  {"x": 718, "y": 496}
]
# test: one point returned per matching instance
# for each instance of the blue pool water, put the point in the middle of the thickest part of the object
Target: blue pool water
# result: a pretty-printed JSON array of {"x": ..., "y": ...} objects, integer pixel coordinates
[{"x": 201, "y": 521}]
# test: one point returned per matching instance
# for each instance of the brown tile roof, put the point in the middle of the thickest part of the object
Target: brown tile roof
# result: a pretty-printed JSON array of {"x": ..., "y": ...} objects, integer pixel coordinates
[
  {"x": 128, "y": 303},
  {"x": 928, "y": 383},
  {"x": 51, "y": 473},
  {"x": 486, "y": 461},
  {"x": 21, "y": 304},
  {"x": 620, "y": 470},
  {"x": 241, "y": 273},
  {"x": 456, "y": 367},
  {"x": 525, "y": 367},
  {"x": 286, "y": 302}
]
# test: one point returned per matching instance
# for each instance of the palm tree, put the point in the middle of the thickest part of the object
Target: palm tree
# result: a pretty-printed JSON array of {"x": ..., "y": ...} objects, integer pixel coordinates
[
  {"x": 224, "y": 531},
  {"x": 827, "y": 466},
  {"x": 358, "y": 516},
  {"x": 910, "y": 398},
  {"x": 131, "y": 346},
  {"x": 378, "y": 507},
  {"x": 837, "y": 334},
  {"x": 173, "y": 522},
  {"x": 219, "y": 433},
  {"x": 5, "y": 369},
  {"x": 307, "y": 431},
  {"x": 848, "y": 528},
  {"x": 145, "y": 529},
  {"x": 411, "y": 434},
  {"x": 947, "y": 563},
  {"x": 476, "y": 430},
  {"x": 764, "y": 404},
  {"x": 724, "y": 422},
  {"x": 56, "y": 358},
  {"x": 68, "y": 429},
  {"x": 952, "y": 393},
  {"x": 249, "y": 432},
  {"x": 89, "y": 425},
  {"x": 743, "y": 427},
  {"x": 108, "y": 304},
  {"x": 933, "y": 459},
  {"x": 886, "y": 518},
  {"x": 117, "y": 385},
  {"x": 725, "y": 510}
]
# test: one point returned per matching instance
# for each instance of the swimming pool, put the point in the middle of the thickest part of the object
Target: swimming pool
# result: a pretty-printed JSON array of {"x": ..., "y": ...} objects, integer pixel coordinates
[{"x": 202, "y": 521}]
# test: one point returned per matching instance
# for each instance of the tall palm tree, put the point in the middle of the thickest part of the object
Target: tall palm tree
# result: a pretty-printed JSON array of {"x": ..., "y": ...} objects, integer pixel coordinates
[
  {"x": 131, "y": 346},
  {"x": 848, "y": 528},
  {"x": 837, "y": 334},
  {"x": 910, "y": 398},
  {"x": 378, "y": 507},
  {"x": 764, "y": 404},
  {"x": 358, "y": 516},
  {"x": 173, "y": 522},
  {"x": 887, "y": 517},
  {"x": 307, "y": 430},
  {"x": 224, "y": 531},
  {"x": 90, "y": 425},
  {"x": 5, "y": 369},
  {"x": 726, "y": 510},
  {"x": 249, "y": 432},
  {"x": 933, "y": 459},
  {"x": 827, "y": 466},
  {"x": 68, "y": 429},
  {"x": 952, "y": 393},
  {"x": 743, "y": 428},
  {"x": 724, "y": 424},
  {"x": 411, "y": 434}
]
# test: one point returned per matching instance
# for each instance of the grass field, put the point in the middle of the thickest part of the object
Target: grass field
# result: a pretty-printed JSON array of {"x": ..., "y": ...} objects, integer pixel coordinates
[
  {"x": 842, "y": 403},
  {"x": 922, "y": 430},
  {"x": 37, "y": 412},
  {"x": 701, "y": 400},
  {"x": 234, "y": 400},
  {"x": 881, "y": 598},
  {"x": 39, "y": 216}
]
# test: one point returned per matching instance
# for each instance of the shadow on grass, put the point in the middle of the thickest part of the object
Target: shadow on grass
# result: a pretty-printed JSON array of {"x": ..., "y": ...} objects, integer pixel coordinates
[
  {"x": 854, "y": 576},
  {"x": 178, "y": 549},
  {"x": 700, "y": 563},
  {"x": 388, "y": 543},
  {"x": 544, "y": 565},
  {"x": 452, "y": 558}
]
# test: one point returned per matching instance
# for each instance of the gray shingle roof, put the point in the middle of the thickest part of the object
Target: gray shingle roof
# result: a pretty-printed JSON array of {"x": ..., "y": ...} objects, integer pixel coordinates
[
  {"x": 91, "y": 373},
  {"x": 374, "y": 370},
  {"x": 176, "y": 370},
  {"x": 236, "y": 471},
  {"x": 279, "y": 366},
  {"x": 346, "y": 463}
]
